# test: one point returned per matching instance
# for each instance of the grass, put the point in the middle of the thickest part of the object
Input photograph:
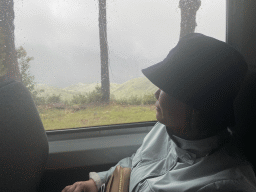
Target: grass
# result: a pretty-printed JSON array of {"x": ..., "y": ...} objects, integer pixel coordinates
[{"x": 96, "y": 115}]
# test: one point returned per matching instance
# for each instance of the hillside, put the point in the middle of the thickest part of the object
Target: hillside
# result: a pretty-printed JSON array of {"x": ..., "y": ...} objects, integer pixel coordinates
[
  {"x": 52, "y": 90},
  {"x": 138, "y": 86}
]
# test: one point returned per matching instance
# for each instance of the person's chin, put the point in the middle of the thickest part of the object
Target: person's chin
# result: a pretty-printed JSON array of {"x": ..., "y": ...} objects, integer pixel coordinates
[
  {"x": 159, "y": 118},
  {"x": 157, "y": 115}
]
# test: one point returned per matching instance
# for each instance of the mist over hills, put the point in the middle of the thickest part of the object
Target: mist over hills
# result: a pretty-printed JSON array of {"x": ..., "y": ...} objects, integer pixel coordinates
[{"x": 137, "y": 86}]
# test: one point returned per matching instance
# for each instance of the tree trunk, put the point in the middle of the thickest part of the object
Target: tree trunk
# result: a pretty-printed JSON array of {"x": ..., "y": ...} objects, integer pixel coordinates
[
  {"x": 188, "y": 16},
  {"x": 7, "y": 33},
  {"x": 104, "y": 52}
]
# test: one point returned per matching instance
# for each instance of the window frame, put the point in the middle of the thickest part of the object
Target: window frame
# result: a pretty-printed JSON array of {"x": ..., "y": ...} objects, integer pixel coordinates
[
  {"x": 81, "y": 147},
  {"x": 59, "y": 140}
]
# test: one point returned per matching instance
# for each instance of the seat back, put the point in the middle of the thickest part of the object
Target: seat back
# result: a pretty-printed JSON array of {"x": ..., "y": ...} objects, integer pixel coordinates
[
  {"x": 23, "y": 142},
  {"x": 245, "y": 113}
]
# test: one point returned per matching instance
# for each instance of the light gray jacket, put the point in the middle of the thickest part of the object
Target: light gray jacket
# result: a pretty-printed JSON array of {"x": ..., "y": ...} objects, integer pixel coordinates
[{"x": 173, "y": 164}]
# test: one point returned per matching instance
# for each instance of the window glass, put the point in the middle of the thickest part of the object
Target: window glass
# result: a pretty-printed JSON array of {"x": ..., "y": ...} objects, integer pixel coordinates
[{"x": 62, "y": 36}]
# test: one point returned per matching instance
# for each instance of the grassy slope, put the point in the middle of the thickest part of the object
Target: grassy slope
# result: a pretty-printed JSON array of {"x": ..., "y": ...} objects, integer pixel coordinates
[{"x": 138, "y": 86}]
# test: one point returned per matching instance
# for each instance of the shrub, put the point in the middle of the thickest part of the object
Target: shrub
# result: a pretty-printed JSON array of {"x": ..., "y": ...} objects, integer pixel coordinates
[
  {"x": 95, "y": 95},
  {"x": 67, "y": 102},
  {"x": 148, "y": 99},
  {"x": 132, "y": 100},
  {"x": 112, "y": 98},
  {"x": 79, "y": 99},
  {"x": 122, "y": 101},
  {"x": 40, "y": 100},
  {"x": 54, "y": 99}
]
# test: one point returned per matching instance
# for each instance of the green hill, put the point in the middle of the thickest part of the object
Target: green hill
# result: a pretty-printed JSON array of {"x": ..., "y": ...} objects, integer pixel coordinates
[
  {"x": 81, "y": 88},
  {"x": 138, "y": 86},
  {"x": 52, "y": 90}
]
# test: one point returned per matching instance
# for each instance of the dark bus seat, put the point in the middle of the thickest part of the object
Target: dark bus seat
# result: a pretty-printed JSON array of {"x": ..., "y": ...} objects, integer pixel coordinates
[
  {"x": 245, "y": 113},
  {"x": 23, "y": 142}
]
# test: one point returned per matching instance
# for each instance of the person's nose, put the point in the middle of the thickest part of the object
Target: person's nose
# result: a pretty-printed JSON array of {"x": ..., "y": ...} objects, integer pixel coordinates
[{"x": 157, "y": 93}]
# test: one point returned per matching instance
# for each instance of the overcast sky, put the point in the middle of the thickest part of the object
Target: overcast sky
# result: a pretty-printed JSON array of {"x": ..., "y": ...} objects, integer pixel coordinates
[{"x": 63, "y": 36}]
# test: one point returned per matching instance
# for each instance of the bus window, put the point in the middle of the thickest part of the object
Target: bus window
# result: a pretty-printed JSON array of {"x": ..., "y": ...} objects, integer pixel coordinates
[{"x": 59, "y": 51}]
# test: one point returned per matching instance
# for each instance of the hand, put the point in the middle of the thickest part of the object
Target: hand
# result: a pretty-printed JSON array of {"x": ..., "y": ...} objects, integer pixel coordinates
[{"x": 81, "y": 186}]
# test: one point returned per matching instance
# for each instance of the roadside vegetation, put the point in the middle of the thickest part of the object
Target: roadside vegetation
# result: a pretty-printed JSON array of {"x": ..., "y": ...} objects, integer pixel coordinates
[
  {"x": 88, "y": 110},
  {"x": 81, "y": 105}
]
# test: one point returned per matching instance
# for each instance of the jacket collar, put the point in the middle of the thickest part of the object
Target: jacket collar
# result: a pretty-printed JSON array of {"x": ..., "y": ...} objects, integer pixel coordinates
[{"x": 192, "y": 149}]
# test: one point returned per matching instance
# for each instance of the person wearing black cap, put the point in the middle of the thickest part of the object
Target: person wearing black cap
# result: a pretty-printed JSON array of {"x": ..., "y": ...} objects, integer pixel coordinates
[
  {"x": 204, "y": 75},
  {"x": 190, "y": 147}
]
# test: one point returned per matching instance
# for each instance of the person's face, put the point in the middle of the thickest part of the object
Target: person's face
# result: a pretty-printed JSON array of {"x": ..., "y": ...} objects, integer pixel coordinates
[
  {"x": 176, "y": 116},
  {"x": 170, "y": 111}
]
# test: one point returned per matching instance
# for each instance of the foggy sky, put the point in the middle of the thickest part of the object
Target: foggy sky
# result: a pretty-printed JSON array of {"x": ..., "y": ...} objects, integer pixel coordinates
[{"x": 63, "y": 36}]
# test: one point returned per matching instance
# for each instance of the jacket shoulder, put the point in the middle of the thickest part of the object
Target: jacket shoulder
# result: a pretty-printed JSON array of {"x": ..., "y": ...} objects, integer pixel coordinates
[{"x": 242, "y": 180}]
